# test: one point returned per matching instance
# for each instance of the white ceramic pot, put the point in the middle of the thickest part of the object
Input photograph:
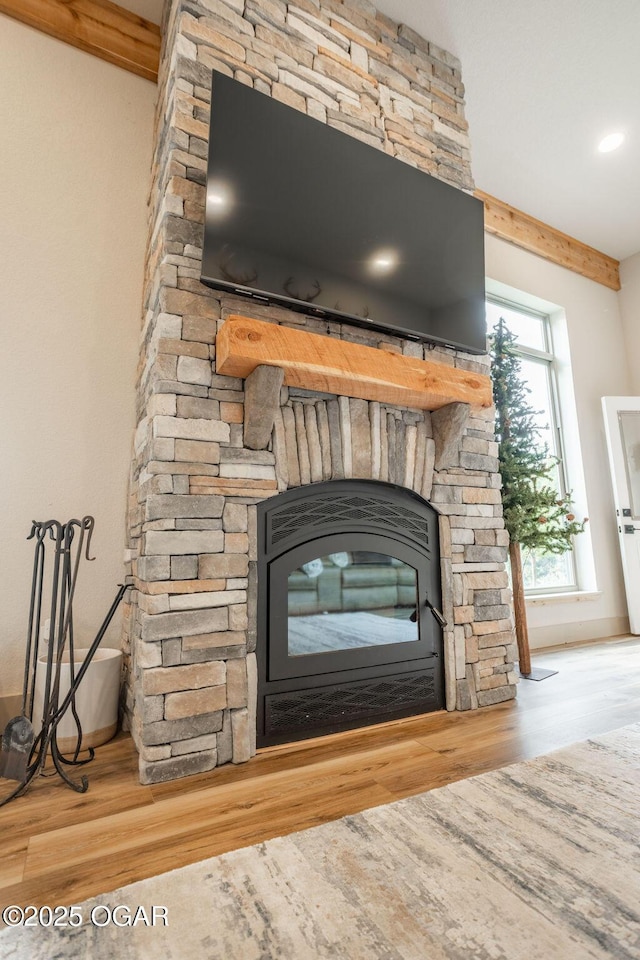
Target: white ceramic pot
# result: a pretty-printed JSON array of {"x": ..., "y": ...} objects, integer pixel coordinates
[{"x": 96, "y": 698}]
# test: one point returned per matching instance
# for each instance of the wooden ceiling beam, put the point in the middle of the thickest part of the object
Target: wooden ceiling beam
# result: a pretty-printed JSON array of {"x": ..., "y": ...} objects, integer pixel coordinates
[
  {"x": 95, "y": 26},
  {"x": 533, "y": 235}
]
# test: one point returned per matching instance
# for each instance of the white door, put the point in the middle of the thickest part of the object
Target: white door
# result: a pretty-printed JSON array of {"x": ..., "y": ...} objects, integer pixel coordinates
[{"x": 622, "y": 425}]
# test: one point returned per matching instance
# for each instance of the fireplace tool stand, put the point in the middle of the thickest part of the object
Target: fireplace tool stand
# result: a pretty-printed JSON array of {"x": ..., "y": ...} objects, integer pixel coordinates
[{"x": 24, "y": 753}]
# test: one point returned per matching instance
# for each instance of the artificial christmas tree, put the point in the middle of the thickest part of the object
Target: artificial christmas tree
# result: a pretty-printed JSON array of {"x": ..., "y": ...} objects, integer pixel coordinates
[{"x": 537, "y": 516}]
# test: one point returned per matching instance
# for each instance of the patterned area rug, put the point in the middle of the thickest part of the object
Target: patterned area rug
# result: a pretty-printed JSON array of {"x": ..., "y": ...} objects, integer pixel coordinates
[{"x": 538, "y": 861}]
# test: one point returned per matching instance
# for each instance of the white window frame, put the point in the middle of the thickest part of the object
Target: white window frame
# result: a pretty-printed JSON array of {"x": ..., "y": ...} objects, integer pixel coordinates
[{"x": 548, "y": 358}]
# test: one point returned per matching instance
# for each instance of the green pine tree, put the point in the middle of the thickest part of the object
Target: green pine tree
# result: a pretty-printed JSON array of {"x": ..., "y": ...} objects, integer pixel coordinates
[{"x": 536, "y": 515}]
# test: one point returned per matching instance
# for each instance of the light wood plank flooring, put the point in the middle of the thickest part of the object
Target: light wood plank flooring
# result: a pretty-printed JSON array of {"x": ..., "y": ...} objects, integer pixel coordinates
[{"x": 59, "y": 847}]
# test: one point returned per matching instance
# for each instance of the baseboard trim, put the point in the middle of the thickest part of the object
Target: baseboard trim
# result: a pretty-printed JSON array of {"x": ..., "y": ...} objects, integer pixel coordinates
[{"x": 582, "y": 631}]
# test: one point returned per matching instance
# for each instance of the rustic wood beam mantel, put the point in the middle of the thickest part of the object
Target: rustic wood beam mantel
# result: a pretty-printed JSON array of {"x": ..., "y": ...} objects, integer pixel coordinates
[
  {"x": 314, "y": 362},
  {"x": 524, "y": 231},
  {"x": 96, "y": 26}
]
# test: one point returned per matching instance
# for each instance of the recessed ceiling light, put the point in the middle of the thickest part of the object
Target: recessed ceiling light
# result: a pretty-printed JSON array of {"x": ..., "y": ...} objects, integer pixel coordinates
[{"x": 611, "y": 142}]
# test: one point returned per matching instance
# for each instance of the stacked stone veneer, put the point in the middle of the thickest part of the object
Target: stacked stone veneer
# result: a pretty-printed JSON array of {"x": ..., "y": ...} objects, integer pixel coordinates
[{"x": 190, "y": 630}]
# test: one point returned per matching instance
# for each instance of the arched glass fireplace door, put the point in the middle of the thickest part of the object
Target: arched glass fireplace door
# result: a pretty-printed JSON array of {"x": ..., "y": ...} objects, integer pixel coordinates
[{"x": 349, "y": 628}]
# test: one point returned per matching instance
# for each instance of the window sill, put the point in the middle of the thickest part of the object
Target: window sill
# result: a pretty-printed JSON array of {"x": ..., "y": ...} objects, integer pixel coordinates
[{"x": 572, "y": 596}]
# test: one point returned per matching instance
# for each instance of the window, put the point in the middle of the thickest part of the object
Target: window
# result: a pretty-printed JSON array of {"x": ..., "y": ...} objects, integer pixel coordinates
[{"x": 543, "y": 572}]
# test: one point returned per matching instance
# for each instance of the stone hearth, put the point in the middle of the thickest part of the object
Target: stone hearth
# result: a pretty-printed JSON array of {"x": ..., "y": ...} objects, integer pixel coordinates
[{"x": 190, "y": 629}]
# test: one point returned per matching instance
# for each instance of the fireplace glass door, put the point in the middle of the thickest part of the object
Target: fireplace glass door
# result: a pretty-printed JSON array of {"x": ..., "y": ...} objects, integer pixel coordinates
[{"x": 351, "y": 599}]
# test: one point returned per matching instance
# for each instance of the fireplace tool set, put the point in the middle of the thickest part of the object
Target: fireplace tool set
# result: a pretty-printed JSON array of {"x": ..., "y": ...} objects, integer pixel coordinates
[{"x": 24, "y": 751}]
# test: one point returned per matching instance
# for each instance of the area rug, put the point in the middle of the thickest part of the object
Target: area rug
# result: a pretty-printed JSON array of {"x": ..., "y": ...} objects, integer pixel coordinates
[{"x": 537, "y": 861}]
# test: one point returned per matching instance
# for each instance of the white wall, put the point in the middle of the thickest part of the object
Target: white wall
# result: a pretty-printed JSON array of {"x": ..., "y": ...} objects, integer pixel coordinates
[
  {"x": 74, "y": 170},
  {"x": 629, "y": 297},
  {"x": 595, "y": 342}
]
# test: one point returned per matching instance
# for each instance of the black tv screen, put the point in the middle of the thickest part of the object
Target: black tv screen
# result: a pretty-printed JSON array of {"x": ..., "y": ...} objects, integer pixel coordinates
[{"x": 301, "y": 214}]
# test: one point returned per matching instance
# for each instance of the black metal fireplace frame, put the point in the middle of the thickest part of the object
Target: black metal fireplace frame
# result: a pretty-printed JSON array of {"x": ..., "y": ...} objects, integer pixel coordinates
[{"x": 317, "y": 694}]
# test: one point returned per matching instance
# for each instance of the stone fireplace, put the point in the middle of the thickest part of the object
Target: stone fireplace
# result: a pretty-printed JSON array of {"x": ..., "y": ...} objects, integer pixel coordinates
[{"x": 213, "y": 449}]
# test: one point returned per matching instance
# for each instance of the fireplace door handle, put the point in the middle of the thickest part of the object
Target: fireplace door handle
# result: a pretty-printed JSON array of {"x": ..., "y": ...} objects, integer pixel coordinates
[{"x": 437, "y": 613}]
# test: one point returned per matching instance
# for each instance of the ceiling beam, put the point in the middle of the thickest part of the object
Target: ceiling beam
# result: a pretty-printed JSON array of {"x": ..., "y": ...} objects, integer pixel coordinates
[
  {"x": 95, "y": 26},
  {"x": 524, "y": 231}
]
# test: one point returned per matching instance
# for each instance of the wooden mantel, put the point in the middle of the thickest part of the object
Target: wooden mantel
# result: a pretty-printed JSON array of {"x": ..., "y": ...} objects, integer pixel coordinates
[{"x": 314, "y": 362}]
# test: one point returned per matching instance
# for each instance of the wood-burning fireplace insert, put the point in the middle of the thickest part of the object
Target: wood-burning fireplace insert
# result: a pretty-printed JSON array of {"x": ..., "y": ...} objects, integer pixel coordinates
[{"x": 349, "y": 594}]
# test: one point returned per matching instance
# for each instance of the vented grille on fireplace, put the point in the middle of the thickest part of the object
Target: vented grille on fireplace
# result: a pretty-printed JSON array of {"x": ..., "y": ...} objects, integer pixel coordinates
[
  {"x": 311, "y": 711},
  {"x": 333, "y": 508},
  {"x": 348, "y": 572}
]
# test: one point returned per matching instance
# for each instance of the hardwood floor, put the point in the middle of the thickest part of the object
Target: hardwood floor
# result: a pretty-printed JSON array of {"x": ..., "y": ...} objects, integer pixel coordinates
[{"x": 60, "y": 847}]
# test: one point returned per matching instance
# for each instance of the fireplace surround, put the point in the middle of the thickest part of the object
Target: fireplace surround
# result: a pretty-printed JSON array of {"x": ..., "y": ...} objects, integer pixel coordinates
[{"x": 201, "y": 483}]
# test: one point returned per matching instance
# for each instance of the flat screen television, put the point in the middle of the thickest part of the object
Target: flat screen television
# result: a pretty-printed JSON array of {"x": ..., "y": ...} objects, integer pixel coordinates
[{"x": 300, "y": 214}]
